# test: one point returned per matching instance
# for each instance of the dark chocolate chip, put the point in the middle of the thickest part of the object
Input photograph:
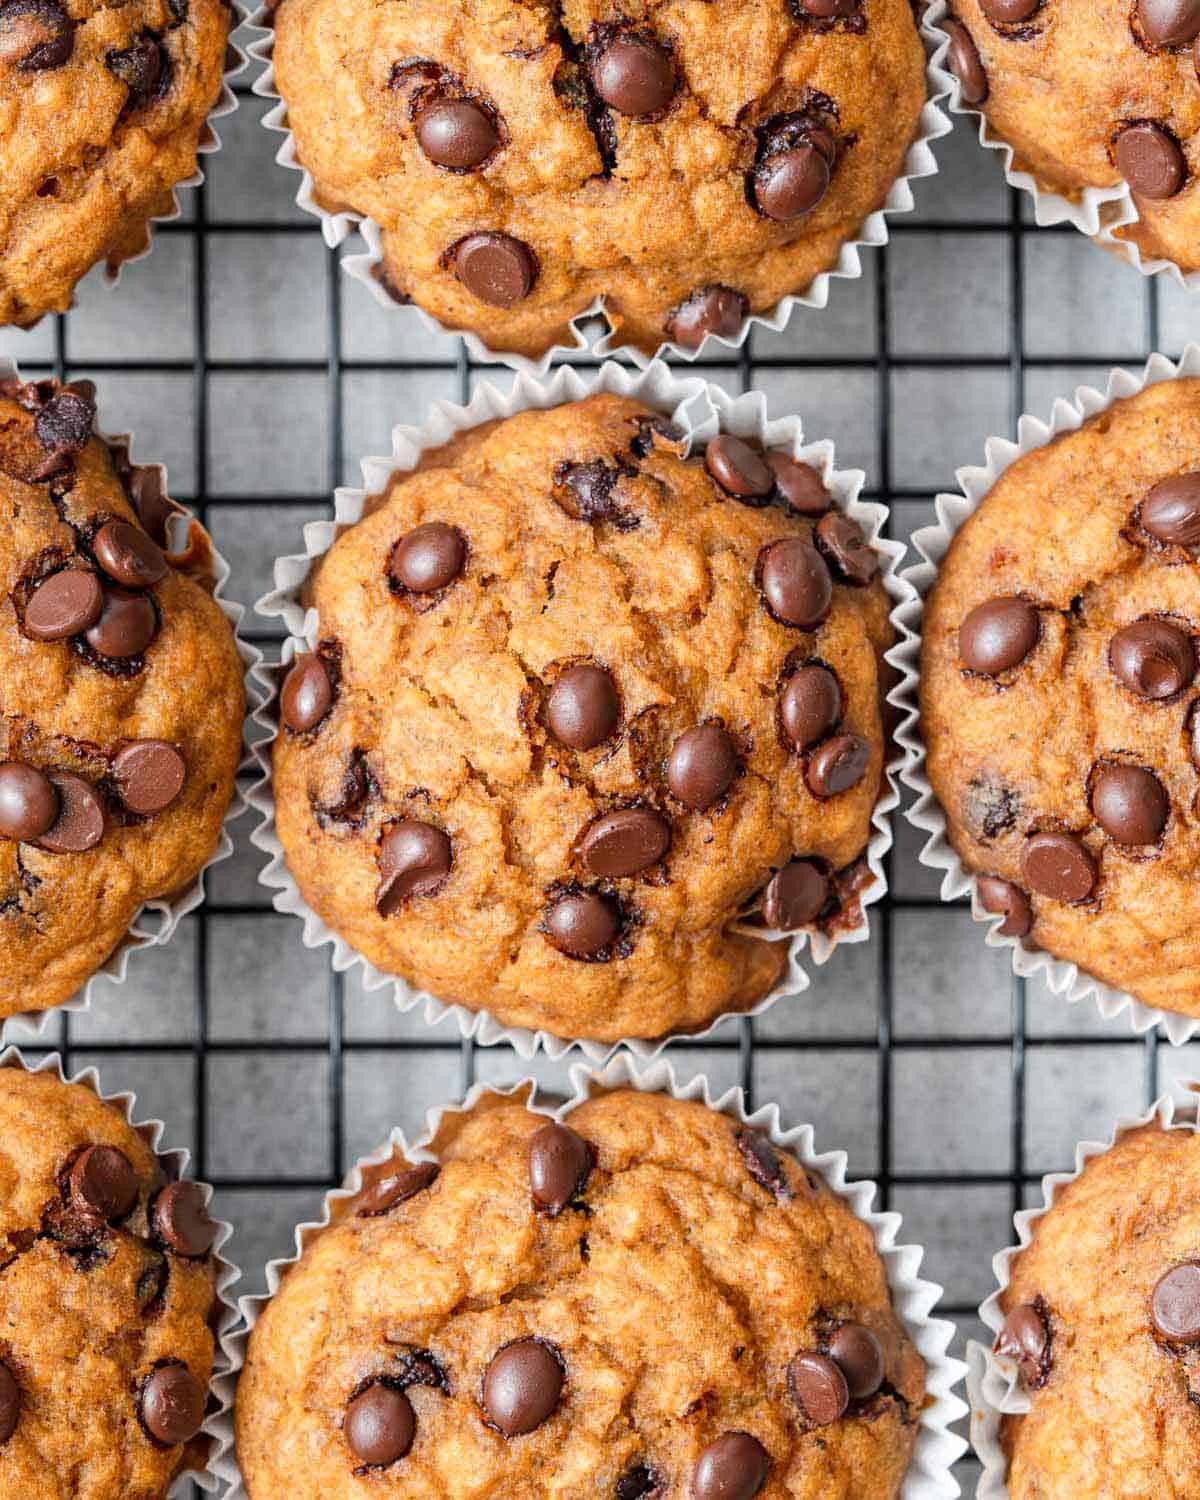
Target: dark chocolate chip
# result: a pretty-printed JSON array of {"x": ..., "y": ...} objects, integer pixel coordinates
[
  {"x": 1168, "y": 23},
  {"x": 415, "y": 859},
  {"x": 80, "y": 823},
  {"x": 789, "y": 184},
  {"x": 129, "y": 556},
  {"x": 496, "y": 268},
  {"x": 1175, "y": 1306},
  {"x": 795, "y": 896},
  {"x": 28, "y": 802},
  {"x": 1025, "y": 1337},
  {"x": 999, "y": 635},
  {"x": 428, "y": 558},
  {"x": 734, "y": 1467},
  {"x": 796, "y": 583},
  {"x": 799, "y": 484},
  {"x": 64, "y": 424},
  {"x": 837, "y": 765},
  {"x": 818, "y": 1387},
  {"x": 963, "y": 60},
  {"x": 172, "y": 1404},
  {"x": 380, "y": 1425},
  {"x": 637, "y": 1483},
  {"x": 625, "y": 842},
  {"x": 389, "y": 1192},
  {"x": 635, "y": 75},
  {"x": 701, "y": 766},
  {"x": 842, "y": 544},
  {"x": 762, "y": 1162},
  {"x": 826, "y": 10},
  {"x": 716, "y": 310},
  {"x": 1002, "y": 898},
  {"x": 154, "y": 508},
  {"x": 583, "y": 708},
  {"x": 64, "y": 604},
  {"x": 10, "y": 1403},
  {"x": 142, "y": 68},
  {"x": 1151, "y": 160},
  {"x": 457, "y": 133},
  {"x": 1171, "y": 511},
  {"x": 810, "y": 706},
  {"x": 1009, "y": 12},
  {"x": 126, "y": 626},
  {"x": 522, "y": 1386},
  {"x": 102, "y": 1184},
  {"x": 858, "y": 1354},
  {"x": 559, "y": 1164},
  {"x": 1060, "y": 866},
  {"x": 149, "y": 775},
  {"x": 585, "y": 490},
  {"x": 1129, "y": 803},
  {"x": 35, "y": 35},
  {"x": 738, "y": 468},
  {"x": 182, "y": 1221},
  {"x": 1153, "y": 658},
  {"x": 582, "y": 924},
  {"x": 307, "y": 694}
]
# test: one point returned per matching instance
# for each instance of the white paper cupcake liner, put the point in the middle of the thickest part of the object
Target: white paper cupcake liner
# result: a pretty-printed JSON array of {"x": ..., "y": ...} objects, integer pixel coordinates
[
  {"x": 993, "y": 1383},
  {"x": 338, "y": 227},
  {"x": 701, "y": 409},
  {"x": 217, "y": 1426},
  {"x": 156, "y": 922},
  {"x": 1097, "y": 212},
  {"x": 930, "y": 1475},
  {"x": 933, "y": 542}
]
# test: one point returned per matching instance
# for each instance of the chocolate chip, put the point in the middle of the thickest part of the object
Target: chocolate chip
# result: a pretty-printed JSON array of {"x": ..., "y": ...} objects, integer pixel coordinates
[
  {"x": 126, "y": 626},
  {"x": 35, "y": 35},
  {"x": 858, "y": 1354},
  {"x": 737, "y": 468},
  {"x": 415, "y": 859},
  {"x": 842, "y": 544},
  {"x": 585, "y": 490},
  {"x": 10, "y": 1403},
  {"x": 999, "y": 635},
  {"x": 172, "y": 1404},
  {"x": 1175, "y": 1306},
  {"x": 1168, "y": 23},
  {"x": 428, "y": 558},
  {"x": 80, "y": 823},
  {"x": 795, "y": 896},
  {"x": 28, "y": 802},
  {"x": 1002, "y": 898},
  {"x": 390, "y": 1192},
  {"x": 154, "y": 508},
  {"x": 818, "y": 1387},
  {"x": 522, "y": 1386},
  {"x": 181, "y": 1219},
  {"x": 837, "y": 765},
  {"x": 496, "y": 268},
  {"x": 142, "y": 68},
  {"x": 1129, "y": 803},
  {"x": 625, "y": 842},
  {"x": 810, "y": 706},
  {"x": 149, "y": 775},
  {"x": 380, "y": 1425},
  {"x": 701, "y": 766},
  {"x": 801, "y": 487},
  {"x": 796, "y": 583},
  {"x": 734, "y": 1467},
  {"x": 1153, "y": 658},
  {"x": 1058, "y": 865},
  {"x": 763, "y": 1162},
  {"x": 583, "y": 709},
  {"x": 559, "y": 1164},
  {"x": 1151, "y": 160},
  {"x": 637, "y": 1483},
  {"x": 1171, "y": 511},
  {"x": 789, "y": 184},
  {"x": 129, "y": 556},
  {"x": 635, "y": 75},
  {"x": 457, "y": 133},
  {"x": 102, "y": 1184},
  {"x": 64, "y": 604},
  {"x": 1009, "y": 12},
  {"x": 1025, "y": 1337},
  {"x": 716, "y": 310},
  {"x": 582, "y": 924},
  {"x": 307, "y": 694},
  {"x": 825, "y": 10},
  {"x": 963, "y": 60},
  {"x": 64, "y": 424}
]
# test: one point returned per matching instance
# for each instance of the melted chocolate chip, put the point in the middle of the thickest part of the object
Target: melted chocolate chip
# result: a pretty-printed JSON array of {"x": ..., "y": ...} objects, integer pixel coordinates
[
  {"x": 634, "y": 74},
  {"x": 1153, "y": 658},
  {"x": 1170, "y": 513},
  {"x": 1009, "y": 12},
  {"x": 144, "y": 69},
  {"x": 129, "y": 556},
  {"x": 81, "y": 821},
  {"x": 842, "y": 544},
  {"x": 1025, "y": 1337},
  {"x": 180, "y": 1219},
  {"x": 63, "y": 605},
  {"x": 763, "y": 1162},
  {"x": 998, "y": 635},
  {"x": 390, "y": 1192},
  {"x": 796, "y": 896},
  {"x": 127, "y": 624},
  {"x": 586, "y": 491},
  {"x": 738, "y": 468},
  {"x": 963, "y": 60},
  {"x": 10, "y": 1403},
  {"x": 1002, "y": 898},
  {"x": 380, "y": 1425},
  {"x": 716, "y": 310},
  {"x": 837, "y": 765},
  {"x": 102, "y": 1184},
  {"x": 415, "y": 859},
  {"x": 559, "y": 1164},
  {"x": 799, "y": 485},
  {"x": 172, "y": 1404},
  {"x": 789, "y": 184},
  {"x": 522, "y": 1386},
  {"x": 36, "y": 36}
]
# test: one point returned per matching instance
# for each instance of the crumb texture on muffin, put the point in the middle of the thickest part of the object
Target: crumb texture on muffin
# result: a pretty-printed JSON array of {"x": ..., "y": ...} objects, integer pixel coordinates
[
  {"x": 683, "y": 1279},
  {"x": 687, "y": 162},
  {"x": 121, "y": 699},
  {"x": 538, "y": 764},
  {"x": 102, "y": 107},
  {"x": 101, "y": 1316},
  {"x": 1058, "y": 695}
]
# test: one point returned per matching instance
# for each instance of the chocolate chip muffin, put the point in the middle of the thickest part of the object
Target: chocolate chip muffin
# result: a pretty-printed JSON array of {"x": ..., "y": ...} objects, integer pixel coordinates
[
  {"x": 106, "y": 1300},
  {"x": 1103, "y": 1324},
  {"x": 1092, "y": 93},
  {"x": 650, "y": 1301},
  {"x": 689, "y": 164},
  {"x": 580, "y": 709},
  {"x": 102, "y": 107},
  {"x": 121, "y": 699},
  {"x": 1058, "y": 696}
]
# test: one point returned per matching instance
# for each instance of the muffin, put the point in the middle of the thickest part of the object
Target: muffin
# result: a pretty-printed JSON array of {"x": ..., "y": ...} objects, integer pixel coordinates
[
  {"x": 586, "y": 718},
  {"x": 121, "y": 698},
  {"x": 685, "y": 163},
  {"x": 1102, "y": 1322},
  {"x": 1092, "y": 94},
  {"x": 102, "y": 108},
  {"x": 651, "y": 1301},
  {"x": 1058, "y": 696},
  {"x": 106, "y": 1301}
]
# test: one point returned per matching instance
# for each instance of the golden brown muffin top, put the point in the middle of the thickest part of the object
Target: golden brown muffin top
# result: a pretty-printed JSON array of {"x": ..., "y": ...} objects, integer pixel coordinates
[{"x": 589, "y": 1309}]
